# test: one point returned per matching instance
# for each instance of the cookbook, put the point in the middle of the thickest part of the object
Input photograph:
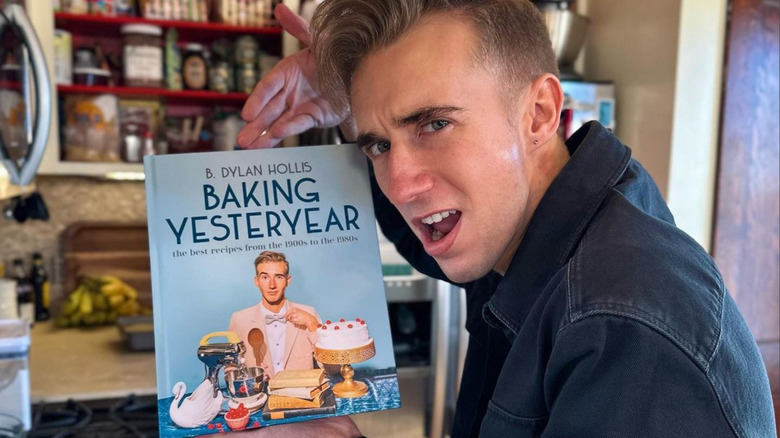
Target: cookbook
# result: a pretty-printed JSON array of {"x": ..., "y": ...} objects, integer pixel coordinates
[{"x": 267, "y": 289}]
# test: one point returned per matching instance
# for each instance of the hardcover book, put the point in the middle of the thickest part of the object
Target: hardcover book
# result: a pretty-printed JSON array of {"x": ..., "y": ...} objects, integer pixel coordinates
[{"x": 266, "y": 279}]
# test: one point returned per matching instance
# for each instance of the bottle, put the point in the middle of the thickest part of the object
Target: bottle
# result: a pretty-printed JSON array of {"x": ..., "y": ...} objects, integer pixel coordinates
[
  {"x": 40, "y": 282},
  {"x": 25, "y": 294},
  {"x": 149, "y": 143},
  {"x": 172, "y": 60}
]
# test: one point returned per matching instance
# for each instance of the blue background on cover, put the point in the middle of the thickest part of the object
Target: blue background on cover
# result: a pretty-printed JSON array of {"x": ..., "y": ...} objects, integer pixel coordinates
[{"x": 195, "y": 295}]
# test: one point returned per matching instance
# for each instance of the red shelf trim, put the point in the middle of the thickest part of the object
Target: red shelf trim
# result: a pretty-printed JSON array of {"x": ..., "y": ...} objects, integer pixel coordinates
[
  {"x": 161, "y": 92},
  {"x": 64, "y": 17}
]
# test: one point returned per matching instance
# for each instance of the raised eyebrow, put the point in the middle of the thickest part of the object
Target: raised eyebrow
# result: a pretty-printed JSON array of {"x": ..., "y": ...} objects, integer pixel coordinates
[{"x": 424, "y": 114}]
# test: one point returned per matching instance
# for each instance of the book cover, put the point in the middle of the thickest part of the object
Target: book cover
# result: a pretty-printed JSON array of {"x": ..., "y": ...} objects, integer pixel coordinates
[{"x": 265, "y": 262}]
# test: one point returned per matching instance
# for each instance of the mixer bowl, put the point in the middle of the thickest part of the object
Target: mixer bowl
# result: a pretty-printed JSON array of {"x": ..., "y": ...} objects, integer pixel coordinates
[
  {"x": 567, "y": 33},
  {"x": 245, "y": 383}
]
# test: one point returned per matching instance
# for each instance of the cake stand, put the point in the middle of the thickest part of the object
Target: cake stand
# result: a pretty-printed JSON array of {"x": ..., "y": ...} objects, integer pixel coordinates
[{"x": 349, "y": 388}]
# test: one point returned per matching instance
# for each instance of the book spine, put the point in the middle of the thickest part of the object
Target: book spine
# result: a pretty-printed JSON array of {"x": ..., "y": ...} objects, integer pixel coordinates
[
  {"x": 161, "y": 354},
  {"x": 293, "y": 392},
  {"x": 299, "y": 413},
  {"x": 282, "y": 402},
  {"x": 293, "y": 383}
]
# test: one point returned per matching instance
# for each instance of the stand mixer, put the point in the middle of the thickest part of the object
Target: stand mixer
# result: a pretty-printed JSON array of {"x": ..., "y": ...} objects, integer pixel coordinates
[
  {"x": 245, "y": 384},
  {"x": 217, "y": 355}
]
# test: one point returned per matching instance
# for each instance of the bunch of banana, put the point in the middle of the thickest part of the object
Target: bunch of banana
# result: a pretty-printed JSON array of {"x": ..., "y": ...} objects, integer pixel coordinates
[{"x": 99, "y": 300}]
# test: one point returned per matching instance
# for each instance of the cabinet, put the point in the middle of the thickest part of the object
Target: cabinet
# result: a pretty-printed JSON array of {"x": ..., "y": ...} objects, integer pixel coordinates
[{"x": 106, "y": 29}]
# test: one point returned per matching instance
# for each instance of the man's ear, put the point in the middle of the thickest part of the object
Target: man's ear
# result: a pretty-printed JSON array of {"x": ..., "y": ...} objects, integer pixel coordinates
[{"x": 546, "y": 96}]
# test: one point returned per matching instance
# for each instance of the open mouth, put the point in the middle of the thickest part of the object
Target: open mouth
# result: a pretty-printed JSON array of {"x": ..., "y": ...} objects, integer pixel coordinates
[{"x": 437, "y": 225}]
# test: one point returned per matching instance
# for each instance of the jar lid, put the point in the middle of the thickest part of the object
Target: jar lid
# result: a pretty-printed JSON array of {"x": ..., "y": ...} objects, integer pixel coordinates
[
  {"x": 91, "y": 71},
  {"x": 194, "y": 47},
  {"x": 14, "y": 336},
  {"x": 143, "y": 29}
]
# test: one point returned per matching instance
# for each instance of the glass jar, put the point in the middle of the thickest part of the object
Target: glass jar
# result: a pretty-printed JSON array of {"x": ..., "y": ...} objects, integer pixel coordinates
[
  {"x": 246, "y": 78},
  {"x": 221, "y": 76},
  {"x": 15, "y": 377},
  {"x": 246, "y": 50},
  {"x": 143, "y": 55},
  {"x": 194, "y": 71}
]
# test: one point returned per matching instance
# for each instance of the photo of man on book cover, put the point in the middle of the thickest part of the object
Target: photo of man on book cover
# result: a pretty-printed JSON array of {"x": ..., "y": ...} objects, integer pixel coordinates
[{"x": 278, "y": 333}]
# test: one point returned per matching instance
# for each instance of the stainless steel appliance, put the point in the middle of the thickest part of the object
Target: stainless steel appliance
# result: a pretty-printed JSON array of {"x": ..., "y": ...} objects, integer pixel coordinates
[
  {"x": 26, "y": 104},
  {"x": 26, "y": 78},
  {"x": 567, "y": 33},
  {"x": 429, "y": 344}
]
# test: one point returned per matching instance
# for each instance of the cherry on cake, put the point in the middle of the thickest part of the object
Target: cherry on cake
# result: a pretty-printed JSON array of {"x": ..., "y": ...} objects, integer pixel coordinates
[{"x": 343, "y": 334}]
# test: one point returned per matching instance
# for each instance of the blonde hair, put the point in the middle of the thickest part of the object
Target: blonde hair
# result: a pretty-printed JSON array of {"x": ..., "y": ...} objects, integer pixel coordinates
[
  {"x": 513, "y": 41},
  {"x": 272, "y": 256}
]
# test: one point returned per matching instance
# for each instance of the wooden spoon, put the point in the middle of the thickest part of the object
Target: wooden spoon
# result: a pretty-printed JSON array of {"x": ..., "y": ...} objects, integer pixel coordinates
[{"x": 257, "y": 345}]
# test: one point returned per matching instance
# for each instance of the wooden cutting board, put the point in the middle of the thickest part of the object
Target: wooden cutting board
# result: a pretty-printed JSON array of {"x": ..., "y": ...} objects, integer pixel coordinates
[{"x": 113, "y": 248}]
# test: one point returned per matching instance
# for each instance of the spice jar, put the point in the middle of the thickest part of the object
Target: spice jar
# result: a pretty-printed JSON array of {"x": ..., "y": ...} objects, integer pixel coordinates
[
  {"x": 143, "y": 55},
  {"x": 132, "y": 151},
  {"x": 220, "y": 76},
  {"x": 246, "y": 78},
  {"x": 246, "y": 50},
  {"x": 194, "y": 72}
]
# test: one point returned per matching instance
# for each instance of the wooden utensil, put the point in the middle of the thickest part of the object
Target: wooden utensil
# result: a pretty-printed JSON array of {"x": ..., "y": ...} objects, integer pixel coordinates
[{"x": 257, "y": 345}]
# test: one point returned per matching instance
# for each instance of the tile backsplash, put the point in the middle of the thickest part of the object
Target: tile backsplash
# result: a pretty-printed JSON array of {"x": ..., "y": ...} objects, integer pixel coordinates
[{"x": 69, "y": 200}]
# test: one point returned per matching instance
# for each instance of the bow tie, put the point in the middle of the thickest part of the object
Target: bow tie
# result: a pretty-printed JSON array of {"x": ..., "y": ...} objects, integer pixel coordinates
[{"x": 269, "y": 319}]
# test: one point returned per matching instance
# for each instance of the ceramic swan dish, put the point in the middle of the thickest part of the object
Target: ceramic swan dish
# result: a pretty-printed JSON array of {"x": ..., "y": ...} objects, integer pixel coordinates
[{"x": 199, "y": 408}]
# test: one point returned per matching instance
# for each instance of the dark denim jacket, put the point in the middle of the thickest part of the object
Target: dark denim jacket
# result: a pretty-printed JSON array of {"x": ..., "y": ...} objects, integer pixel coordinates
[{"x": 610, "y": 321}]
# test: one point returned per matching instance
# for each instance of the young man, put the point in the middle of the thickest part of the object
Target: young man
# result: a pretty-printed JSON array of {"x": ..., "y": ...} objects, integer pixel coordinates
[
  {"x": 590, "y": 313},
  {"x": 278, "y": 333}
]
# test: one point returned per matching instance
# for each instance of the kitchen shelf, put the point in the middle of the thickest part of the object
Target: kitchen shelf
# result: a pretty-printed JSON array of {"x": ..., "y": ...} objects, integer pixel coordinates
[
  {"x": 89, "y": 30},
  {"x": 170, "y": 95},
  {"x": 97, "y": 25},
  {"x": 10, "y": 85}
]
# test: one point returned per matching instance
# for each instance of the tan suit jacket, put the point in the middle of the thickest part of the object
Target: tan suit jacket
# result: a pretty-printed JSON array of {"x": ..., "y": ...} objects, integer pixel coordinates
[{"x": 298, "y": 344}]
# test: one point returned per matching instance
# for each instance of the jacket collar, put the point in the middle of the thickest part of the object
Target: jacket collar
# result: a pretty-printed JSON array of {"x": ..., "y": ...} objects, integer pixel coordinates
[{"x": 598, "y": 160}]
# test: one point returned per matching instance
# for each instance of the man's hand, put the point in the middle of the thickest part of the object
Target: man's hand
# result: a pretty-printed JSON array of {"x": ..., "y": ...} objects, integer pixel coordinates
[
  {"x": 287, "y": 100},
  {"x": 336, "y": 427},
  {"x": 301, "y": 319}
]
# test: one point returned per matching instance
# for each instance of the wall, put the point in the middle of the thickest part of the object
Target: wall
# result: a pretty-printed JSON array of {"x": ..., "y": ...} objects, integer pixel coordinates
[
  {"x": 694, "y": 151},
  {"x": 635, "y": 46},
  {"x": 69, "y": 200}
]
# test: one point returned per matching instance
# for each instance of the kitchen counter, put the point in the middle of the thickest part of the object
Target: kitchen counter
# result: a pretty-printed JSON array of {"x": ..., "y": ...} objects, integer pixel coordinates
[{"x": 86, "y": 364}]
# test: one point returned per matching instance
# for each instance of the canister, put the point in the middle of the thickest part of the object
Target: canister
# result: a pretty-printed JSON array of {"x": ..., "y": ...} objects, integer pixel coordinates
[
  {"x": 9, "y": 309},
  {"x": 246, "y": 50},
  {"x": 14, "y": 370},
  {"x": 221, "y": 76},
  {"x": 63, "y": 57},
  {"x": 143, "y": 55},
  {"x": 246, "y": 78}
]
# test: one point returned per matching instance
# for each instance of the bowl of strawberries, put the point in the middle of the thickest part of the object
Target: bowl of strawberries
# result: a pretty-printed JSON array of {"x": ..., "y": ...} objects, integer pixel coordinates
[{"x": 237, "y": 418}]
